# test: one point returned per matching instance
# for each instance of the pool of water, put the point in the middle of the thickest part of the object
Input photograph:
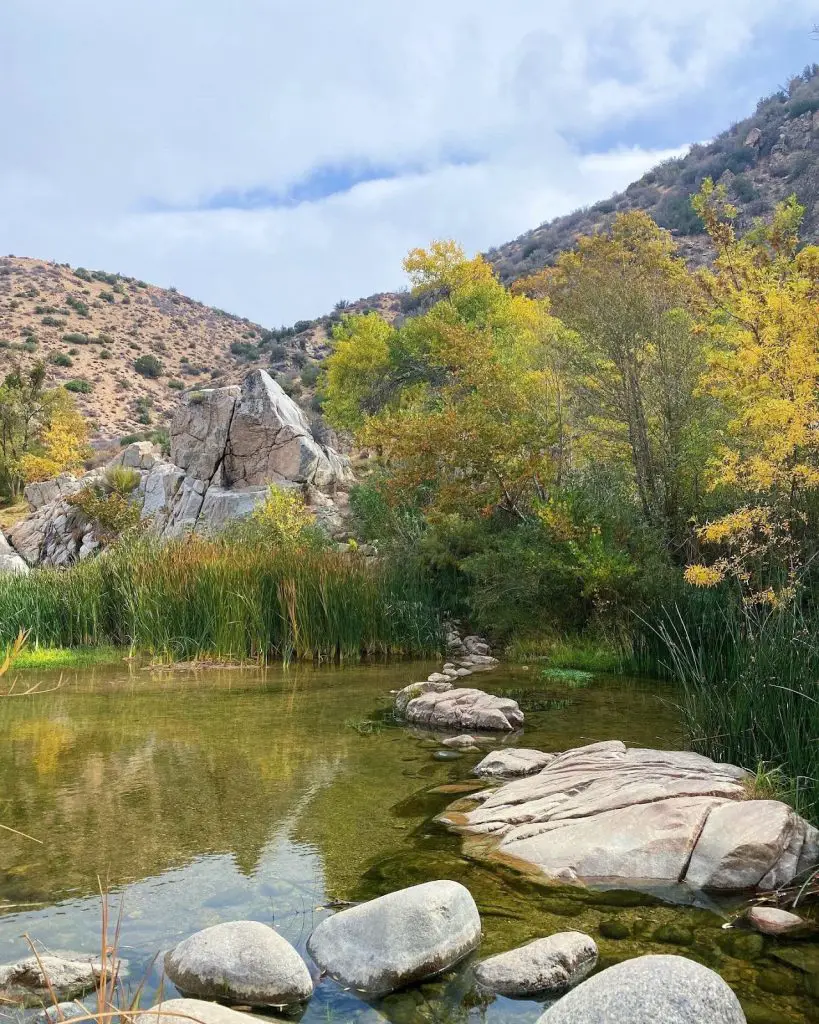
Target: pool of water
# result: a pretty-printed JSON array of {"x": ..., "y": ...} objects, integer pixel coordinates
[{"x": 199, "y": 797}]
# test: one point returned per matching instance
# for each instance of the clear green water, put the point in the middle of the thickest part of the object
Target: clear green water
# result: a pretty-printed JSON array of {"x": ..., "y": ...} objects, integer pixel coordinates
[{"x": 200, "y": 798}]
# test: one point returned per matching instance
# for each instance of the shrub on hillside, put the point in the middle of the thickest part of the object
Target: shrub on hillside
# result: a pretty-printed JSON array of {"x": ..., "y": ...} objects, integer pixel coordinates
[
  {"x": 148, "y": 366},
  {"x": 79, "y": 386},
  {"x": 61, "y": 359}
]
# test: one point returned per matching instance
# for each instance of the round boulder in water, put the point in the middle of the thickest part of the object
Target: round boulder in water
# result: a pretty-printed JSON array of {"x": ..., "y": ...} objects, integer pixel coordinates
[
  {"x": 647, "y": 990},
  {"x": 552, "y": 964},
  {"x": 243, "y": 962},
  {"x": 399, "y": 938}
]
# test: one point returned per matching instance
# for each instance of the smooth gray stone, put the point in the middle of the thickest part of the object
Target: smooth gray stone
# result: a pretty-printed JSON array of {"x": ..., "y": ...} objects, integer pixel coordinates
[{"x": 649, "y": 990}]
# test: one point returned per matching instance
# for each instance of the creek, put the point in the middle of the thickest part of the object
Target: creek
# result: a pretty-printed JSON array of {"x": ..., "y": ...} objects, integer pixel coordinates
[{"x": 196, "y": 797}]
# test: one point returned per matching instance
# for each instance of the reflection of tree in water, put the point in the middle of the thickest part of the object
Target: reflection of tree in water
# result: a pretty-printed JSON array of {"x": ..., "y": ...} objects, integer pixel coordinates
[{"x": 127, "y": 784}]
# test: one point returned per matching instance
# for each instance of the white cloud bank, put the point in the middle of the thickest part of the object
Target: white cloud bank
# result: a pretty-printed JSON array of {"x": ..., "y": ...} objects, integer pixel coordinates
[{"x": 117, "y": 109}]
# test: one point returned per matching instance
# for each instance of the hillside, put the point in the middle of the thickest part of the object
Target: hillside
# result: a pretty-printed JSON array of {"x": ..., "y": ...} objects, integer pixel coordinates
[
  {"x": 127, "y": 348},
  {"x": 763, "y": 159}
]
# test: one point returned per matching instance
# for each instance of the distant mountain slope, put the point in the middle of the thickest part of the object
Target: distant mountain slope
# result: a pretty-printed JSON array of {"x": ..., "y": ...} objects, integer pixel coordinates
[
  {"x": 94, "y": 329},
  {"x": 762, "y": 159}
]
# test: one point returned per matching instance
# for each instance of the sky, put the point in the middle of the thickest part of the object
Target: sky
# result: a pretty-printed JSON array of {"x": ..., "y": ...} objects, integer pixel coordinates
[{"x": 271, "y": 157}]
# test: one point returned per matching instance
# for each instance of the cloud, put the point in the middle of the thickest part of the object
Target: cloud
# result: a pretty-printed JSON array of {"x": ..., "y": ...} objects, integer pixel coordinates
[{"x": 271, "y": 158}]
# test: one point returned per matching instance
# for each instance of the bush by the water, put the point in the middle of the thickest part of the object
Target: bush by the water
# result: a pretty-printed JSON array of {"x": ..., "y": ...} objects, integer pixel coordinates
[{"x": 240, "y": 595}]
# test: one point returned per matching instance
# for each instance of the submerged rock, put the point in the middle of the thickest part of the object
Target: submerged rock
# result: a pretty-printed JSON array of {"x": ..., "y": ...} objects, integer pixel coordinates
[
  {"x": 192, "y": 1011},
  {"x": 464, "y": 709},
  {"x": 772, "y": 921},
  {"x": 607, "y": 813},
  {"x": 30, "y": 982},
  {"x": 399, "y": 938},
  {"x": 552, "y": 964},
  {"x": 512, "y": 763},
  {"x": 243, "y": 962},
  {"x": 649, "y": 990}
]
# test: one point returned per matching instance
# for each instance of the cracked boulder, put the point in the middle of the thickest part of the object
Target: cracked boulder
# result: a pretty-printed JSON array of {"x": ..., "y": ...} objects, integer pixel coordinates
[
  {"x": 612, "y": 814},
  {"x": 270, "y": 441}
]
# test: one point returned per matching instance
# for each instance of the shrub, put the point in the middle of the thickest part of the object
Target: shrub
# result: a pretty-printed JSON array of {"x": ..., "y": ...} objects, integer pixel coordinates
[
  {"x": 107, "y": 296},
  {"x": 52, "y": 321},
  {"x": 121, "y": 479},
  {"x": 61, "y": 359},
  {"x": 278, "y": 353},
  {"x": 111, "y": 512},
  {"x": 79, "y": 386},
  {"x": 104, "y": 353},
  {"x": 310, "y": 374},
  {"x": 79, "y": 307},
  {"x": 82, "y": 274},
  {"x": 177, "y": 385},
  {"x": 148, "y": 366},
  {"x": 75, "y": 338},
  {"x": 302, "y": 325}
]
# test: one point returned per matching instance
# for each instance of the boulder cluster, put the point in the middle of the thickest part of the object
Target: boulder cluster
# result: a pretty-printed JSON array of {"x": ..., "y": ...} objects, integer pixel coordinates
[
  {"x": 227, "y": 446},
  {"x": 400, "y": 939}
]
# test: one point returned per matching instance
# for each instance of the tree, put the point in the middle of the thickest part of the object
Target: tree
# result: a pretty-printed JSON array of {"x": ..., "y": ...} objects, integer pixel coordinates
[
  {"x": 61, "y": 445},
  {"x": 632, "y": 363},
  {"x": 36, "y": 423},
  {"x": 462, "y": 400},
  {"x": 760, "y": 313}
]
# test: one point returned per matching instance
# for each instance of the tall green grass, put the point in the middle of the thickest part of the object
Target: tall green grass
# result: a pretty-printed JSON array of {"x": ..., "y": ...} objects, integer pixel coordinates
[
  {"x": 236, "y": 596},
  {"x": 749, "y": 680}
]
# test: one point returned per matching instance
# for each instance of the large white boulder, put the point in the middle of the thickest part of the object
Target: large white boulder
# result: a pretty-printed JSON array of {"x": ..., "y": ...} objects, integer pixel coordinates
[
  {"x": 199, "y": 431},
  {"x": 607, "y": 813},
  {"x": 548, "y": 965},
  {"x": 270, "y": 440},
  {"x": 649, "y": 990},
  {"x": 399, "y": 938},
  {"x": 244, "y": 962}
]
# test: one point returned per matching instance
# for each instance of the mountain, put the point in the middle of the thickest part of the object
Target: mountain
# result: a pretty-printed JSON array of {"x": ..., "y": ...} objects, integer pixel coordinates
[
  {"x": 126, "y": 348},
  {"x": 761, "y": 160}
]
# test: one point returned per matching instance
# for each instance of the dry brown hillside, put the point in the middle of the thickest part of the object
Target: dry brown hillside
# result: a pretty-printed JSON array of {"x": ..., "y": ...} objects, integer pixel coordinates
[{"x": 94, "y": 329}]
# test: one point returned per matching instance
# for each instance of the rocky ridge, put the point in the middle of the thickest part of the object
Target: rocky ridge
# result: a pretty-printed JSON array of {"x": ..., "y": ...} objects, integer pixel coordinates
[{"x": 227, "y": 446}]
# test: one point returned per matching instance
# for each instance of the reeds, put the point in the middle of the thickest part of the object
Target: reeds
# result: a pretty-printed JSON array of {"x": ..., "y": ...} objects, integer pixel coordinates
[
  {"x": 750, "y": 685},
  {"x": 236, "y": 596}
]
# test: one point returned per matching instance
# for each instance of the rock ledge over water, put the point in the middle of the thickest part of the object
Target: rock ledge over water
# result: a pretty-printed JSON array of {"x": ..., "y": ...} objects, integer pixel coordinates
[{"x": 605, "y": 813}]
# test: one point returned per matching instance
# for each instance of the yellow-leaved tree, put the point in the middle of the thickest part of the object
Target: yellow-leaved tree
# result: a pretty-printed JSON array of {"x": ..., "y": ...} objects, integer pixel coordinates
[
  {"x": 62, "y": 442},
  {"x": 761, "y": 317}
]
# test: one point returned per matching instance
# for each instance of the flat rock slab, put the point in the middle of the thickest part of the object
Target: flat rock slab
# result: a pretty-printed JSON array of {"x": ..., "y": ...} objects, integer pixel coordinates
[
  {"x": 548, "y": 965},
  {"x": 513, "y": 763},
  {"x": 605, "y": 813},
  {"x": 29, "y": 982},
  {"x": 399, "y": 938},
  {"x": 649, "y": 990},
  {"x": 243, "y": 962},
  {"x": 462, "y": 708}
]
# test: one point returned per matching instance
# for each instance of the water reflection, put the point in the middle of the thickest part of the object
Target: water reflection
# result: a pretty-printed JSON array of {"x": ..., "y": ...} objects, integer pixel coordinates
[{"x": 247, "y": 794}]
